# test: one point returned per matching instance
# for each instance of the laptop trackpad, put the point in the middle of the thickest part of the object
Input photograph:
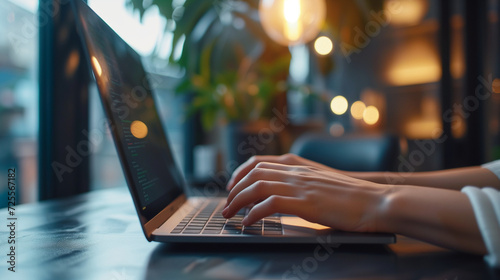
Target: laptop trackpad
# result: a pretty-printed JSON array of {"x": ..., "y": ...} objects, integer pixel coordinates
[{"x": 299, "y": 225}]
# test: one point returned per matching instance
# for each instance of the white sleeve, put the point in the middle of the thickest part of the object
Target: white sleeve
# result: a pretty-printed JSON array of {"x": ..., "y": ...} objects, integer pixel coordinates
[
  {"x": 486, "y": 205},
  {"x": 493, "y": 166}
]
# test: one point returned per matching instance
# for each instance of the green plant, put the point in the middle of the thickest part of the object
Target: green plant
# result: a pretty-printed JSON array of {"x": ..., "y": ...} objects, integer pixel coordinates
[
  {"x": 243, "y": 95},
  {"x": 232, "y": 68}
]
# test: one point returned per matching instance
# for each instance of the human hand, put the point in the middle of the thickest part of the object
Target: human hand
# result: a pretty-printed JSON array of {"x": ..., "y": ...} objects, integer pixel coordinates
[
  {"x": 288, "y": 159},
  {"x": 313, "y": 193}
]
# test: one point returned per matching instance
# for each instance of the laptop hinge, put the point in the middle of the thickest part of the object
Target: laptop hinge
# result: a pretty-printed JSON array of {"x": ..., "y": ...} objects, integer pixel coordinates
[{"x": 164, "y": 215}]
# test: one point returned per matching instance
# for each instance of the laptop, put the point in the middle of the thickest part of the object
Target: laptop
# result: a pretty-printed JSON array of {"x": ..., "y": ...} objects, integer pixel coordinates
[{"x": 158, "y": 189}]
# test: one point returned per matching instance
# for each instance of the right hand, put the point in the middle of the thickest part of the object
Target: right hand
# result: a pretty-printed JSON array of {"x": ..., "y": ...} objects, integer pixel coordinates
[
  {"x": 288, "y": 159},
  {"x": 315, "y": 194}
]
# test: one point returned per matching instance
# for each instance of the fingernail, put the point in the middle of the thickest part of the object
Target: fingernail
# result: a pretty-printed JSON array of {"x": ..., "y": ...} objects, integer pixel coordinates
[
  {"x": 224, "y": 212},
  {"x": 245, "y": 221}
]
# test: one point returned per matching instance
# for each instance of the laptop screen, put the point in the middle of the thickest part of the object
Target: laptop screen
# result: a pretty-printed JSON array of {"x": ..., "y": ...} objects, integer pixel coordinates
[{"x": 142, "y": 146}]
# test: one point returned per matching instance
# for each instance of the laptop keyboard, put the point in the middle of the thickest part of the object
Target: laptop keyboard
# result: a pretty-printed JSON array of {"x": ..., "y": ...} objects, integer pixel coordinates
[{"x": 208, "y": 219}]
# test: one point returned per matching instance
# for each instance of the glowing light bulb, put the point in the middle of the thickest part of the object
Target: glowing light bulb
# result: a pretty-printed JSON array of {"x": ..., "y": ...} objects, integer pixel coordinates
[
  {"x": 323, "y": 45},
  {"x": 371, "y": 115},
  {"x": 291, "y": 10},
  {"x": 339, "y": 105},
  {"x": 292, "y": 22}
]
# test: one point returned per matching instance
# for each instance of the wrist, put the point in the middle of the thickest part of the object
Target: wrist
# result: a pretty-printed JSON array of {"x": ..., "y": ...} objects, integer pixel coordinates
[
  {"x": 389, "y": 209},
  {"x": 375, "y": 177},
  {"x": 358, "y": 175}
]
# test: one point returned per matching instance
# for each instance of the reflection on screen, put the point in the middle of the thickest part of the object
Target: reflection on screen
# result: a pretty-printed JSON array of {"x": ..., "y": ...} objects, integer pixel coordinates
[{"x": 129, "y": 104}]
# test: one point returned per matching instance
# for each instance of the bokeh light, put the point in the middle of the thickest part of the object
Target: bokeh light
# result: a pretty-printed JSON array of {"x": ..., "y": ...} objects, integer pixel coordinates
[
  {"x": 407, "y": 12},
  {"x": 371, "y": 115},
  {"x": 323, "y": 45},
  {"x": 138, "y": 129},
  {"x": 337, "y": 130},
  {"x": 496, "y": 85},
  {"x": 357, "y": 110},
  {"x": 339, "y": 105}
]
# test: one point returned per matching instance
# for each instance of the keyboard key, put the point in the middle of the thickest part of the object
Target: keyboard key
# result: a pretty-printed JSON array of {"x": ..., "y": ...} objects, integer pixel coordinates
[
  {"x": 230, "y": 224},
  {"x": 204, "y": 216},
  {"x": 191, "y": 231},
  {"x": 254, "y": 227},
  {"x": 272, "y": 227},
  {"x": 253, "y": 231},
  {"x": 216, "y": 221},
  {"x": 215, "y": 225},
  {"x": 211, "y": 231},
  {"x": 207, "y": 218},
  {"x": 194, "y": 228},
  {"x": 218, "y": 229}
]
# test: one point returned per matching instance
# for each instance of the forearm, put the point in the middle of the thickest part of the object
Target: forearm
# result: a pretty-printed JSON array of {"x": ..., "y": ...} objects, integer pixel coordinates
[
  {"x": 437, "y": 216},
  {"x": 452, "y": 179}
]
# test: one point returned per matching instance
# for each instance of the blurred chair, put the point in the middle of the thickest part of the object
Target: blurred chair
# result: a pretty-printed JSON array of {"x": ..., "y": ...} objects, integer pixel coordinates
[{"x": 350, "y": 153}]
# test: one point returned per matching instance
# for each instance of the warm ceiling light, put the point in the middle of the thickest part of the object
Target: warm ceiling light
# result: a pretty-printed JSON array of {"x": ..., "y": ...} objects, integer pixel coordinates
[
  {"x": 407, "y": 12},
  {"x": 414, "y": 62},
  {"x": 371, "y": 115},
  {"x": 323, "y": 45},
  {"x": 339, "y": 105},
  {"x": 292, "y": 22},
  {"x": 357, "y": 110},
  {"x": 426, "y": 128}
]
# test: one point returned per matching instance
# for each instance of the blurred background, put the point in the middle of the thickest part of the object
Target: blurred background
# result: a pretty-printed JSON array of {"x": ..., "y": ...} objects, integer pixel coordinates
[{"x": 398, "y": 85}]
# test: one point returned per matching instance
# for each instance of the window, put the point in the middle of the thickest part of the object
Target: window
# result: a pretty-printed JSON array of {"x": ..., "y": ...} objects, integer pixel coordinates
[{"x": 19, "y": 97}]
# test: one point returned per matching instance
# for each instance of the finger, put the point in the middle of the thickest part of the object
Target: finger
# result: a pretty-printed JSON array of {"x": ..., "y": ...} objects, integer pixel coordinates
[
  {"x": 256, "y": 174},
  {"x": 244, "y": 168},
  {"x": 278, "y": 166},
  {"x": 240, "y": 172},
  {"x": 257, "y": 192},
  {"x": 277, "y": 204}
]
